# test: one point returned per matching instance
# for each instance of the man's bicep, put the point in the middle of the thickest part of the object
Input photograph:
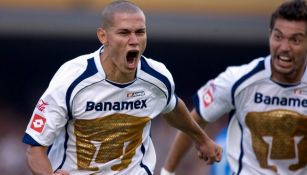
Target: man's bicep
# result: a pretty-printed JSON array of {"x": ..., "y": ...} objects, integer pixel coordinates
[
  {"x": 36, "y": 150},
  {"x": 178, "y": 115}
]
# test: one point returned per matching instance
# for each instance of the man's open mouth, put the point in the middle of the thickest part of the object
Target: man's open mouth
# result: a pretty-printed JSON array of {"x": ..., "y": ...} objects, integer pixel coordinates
[
  {"x": 284, "y": 58},
  {"x": 132, "y": 56}
]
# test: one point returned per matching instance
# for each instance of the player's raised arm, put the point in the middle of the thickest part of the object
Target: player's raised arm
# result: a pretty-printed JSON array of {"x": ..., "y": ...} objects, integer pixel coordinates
[
  {"x": 180, "y": 146},
  {"x": 180, "y": 118}
]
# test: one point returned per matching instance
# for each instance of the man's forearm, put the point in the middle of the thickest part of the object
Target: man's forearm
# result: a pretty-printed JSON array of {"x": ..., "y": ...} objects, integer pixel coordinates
[
  {"x": 38, "y": 161},
  {"x": 179, "y": 148},
  {"x": 180, "y": 118}
]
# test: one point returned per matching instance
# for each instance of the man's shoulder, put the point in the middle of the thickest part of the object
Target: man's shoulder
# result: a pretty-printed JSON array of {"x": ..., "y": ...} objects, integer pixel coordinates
[
  {"x": 247, "y": 70},
  {"x": 155, "y": 72},
  {"x": 145, "y": 61},
  {"x": 73, "y": 68},
  {"x": 152, "y": 66},
  {"x": 243, "y": 75}
]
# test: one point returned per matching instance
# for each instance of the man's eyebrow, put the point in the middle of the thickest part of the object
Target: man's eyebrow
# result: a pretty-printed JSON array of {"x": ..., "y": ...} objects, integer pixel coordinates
[{"x": 293, "y": 35}]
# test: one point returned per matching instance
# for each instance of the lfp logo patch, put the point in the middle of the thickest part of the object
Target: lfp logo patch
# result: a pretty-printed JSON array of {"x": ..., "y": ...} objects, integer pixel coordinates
[
  {"x": 38, "y": 123},
  {"x": 207, "y": 94},
  {"x": 207, "y": 98}
]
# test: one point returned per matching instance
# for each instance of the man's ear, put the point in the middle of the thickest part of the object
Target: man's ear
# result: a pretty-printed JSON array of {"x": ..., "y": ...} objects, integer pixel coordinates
[{"x": 102, "y": 36}]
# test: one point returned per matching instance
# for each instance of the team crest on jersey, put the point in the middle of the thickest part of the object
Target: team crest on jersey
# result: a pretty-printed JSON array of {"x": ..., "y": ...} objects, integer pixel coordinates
[
  {"x": 38, "y": 123},
  {"x": 41, "y": 106},
  {"x": 297, "y": 91},
  {"x": 284, "y": 139},
  {"x": 207, "y": 96},
  {"x": 136, "y": 94},
  {"x": 300, "y": 92}
]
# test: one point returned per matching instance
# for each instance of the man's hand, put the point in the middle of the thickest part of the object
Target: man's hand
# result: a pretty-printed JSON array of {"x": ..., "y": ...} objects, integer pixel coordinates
[{"x": 209, "y": 151}]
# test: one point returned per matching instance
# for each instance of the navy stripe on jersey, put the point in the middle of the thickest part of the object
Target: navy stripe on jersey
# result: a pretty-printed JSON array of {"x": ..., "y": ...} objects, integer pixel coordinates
[
  {"x": 146, "y": 68},
  {"x": 231, "y": 114},
  {"x": 259, "y": 67},
  {"x": 90, "y": 70},
  {"x": 65, "y": 147},
  {"x": 286, "y": 85},
  {"x": 122, "y": 85},
  {"x": 27, "y": 139},
  {"x": 143, "y": 165},
  {"x": 49, "y": 148},
  {"x": 242, "y": 150}
]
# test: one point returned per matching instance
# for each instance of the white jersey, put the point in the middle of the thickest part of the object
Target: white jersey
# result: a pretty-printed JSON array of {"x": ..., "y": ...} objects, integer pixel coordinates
[
  {"x": 267, "y": 133},
  {"x": 94, "y": 126}
]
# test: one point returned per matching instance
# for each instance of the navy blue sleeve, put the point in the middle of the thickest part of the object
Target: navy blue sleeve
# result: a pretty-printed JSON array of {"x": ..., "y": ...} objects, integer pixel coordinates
[{"x": 27, "y": 139}]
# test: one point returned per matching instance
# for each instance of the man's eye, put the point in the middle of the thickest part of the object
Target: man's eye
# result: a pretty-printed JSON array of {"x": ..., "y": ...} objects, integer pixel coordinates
[
  {"x": 296, "y": 40},
  {"x": 140, "y": 33},
  {"x": 277, "y": 37}
]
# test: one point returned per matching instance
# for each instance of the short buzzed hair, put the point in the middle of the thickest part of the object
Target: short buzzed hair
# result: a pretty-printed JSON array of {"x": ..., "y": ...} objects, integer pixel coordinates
[{"x": 122, "y": 6}]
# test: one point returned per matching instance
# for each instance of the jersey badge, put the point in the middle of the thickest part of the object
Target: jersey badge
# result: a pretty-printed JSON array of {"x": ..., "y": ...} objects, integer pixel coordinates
[
  {"x": 135, "y": 94},
  {"x": 207, "y": 98},
  {"x": 300, "y": 92},
  {"x": 41, "y": 105},
  {"x": 207, "y": 95},
  {"x": 38, "y": 123}
]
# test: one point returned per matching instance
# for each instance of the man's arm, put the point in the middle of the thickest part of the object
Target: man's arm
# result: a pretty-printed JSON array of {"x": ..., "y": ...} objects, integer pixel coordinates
[
  {"x": 39, "y": 162},
  {"x": 181, "y": 146},
  {"x": 180, "y": 118}
]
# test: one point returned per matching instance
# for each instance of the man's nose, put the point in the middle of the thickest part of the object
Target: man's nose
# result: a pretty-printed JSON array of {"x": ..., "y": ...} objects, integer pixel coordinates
[
  {"x": 133, "y": 39},
  {"x": 285, "y": 45}
]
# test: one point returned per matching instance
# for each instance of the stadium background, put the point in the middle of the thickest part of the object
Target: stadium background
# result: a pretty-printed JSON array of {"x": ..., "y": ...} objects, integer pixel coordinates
[{"x": 196, "y": 39}]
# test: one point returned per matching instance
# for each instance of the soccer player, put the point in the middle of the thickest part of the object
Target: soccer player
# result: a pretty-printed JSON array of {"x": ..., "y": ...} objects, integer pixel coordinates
[
  {"x": 95, "y": 116},
  {"x": 267, "y": 103}
]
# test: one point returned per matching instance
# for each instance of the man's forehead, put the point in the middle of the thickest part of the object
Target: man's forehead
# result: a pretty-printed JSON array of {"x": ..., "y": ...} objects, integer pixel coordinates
[{"x": 291, "y": 27}]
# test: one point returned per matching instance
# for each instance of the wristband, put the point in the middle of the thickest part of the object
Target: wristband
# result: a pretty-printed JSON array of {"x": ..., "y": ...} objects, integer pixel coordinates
[{"x": 165, "y": 172}]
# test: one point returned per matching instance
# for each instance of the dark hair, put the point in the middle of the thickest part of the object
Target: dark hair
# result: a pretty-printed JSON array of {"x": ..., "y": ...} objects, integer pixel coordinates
[
  {"x": 115, "y": 7},
  {"x": 295, "y": 10}
]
